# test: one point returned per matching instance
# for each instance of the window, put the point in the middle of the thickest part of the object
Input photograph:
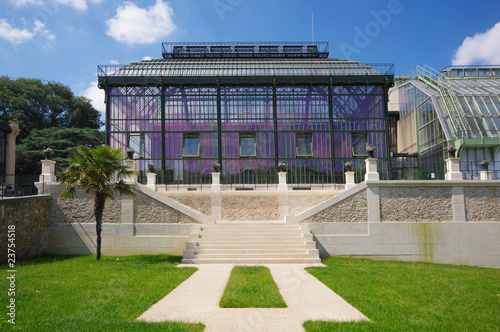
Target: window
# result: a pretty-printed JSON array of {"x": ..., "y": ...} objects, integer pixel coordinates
[
  {"x": 358, "y": 143},
  {"x": 248, "y": 145},
  {"x": 191, "y": 145},
  {"x": 303, "y": 145},
  {"x": 136, "y": 143}
]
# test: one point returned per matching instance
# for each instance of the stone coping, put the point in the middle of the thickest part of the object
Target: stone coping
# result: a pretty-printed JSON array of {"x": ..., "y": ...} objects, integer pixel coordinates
[
  {"x": 26, "y": 198},
  {"x": 434, "y": 183},
  {"x": 251, "y": 193}
]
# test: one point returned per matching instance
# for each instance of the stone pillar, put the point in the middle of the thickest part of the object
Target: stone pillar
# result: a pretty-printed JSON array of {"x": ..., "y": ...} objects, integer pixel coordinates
[
  {"x": 486, "y": 175},
  {"x": 48, "y": 172},
  {"x": 458, "y": 204},
  {"x": 215, "y": 182},
  {"x": 349, "y": 180},
  {"x": 373, "y": 202},
  {"x": 133, "y": 178},
  {"x": 371, "y": 169},
  {"x": 10, "y": 153},
  {"x": 151, "y": 180},
  {"x": 453, "y": 169},
  {"x": 282, "y": 186}
]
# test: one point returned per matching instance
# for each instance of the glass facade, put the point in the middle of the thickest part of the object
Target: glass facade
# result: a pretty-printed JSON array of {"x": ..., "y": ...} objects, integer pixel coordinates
[
  {"x": 457, "y": 107},
  {"x": 314, "y": 115}
]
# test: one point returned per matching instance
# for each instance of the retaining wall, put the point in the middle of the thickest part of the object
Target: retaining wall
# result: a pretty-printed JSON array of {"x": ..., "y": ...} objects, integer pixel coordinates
[{"x": 29, "y": 216}]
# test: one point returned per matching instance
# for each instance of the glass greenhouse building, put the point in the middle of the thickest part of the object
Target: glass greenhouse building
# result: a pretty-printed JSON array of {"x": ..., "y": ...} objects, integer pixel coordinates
[
  {"x": 248, "y": 106},
  {"x": 458, "y": 106}
]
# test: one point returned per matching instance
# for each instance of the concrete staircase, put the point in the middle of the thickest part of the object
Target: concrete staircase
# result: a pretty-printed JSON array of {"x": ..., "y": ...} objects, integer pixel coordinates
[{"x": 245, "y": 243}]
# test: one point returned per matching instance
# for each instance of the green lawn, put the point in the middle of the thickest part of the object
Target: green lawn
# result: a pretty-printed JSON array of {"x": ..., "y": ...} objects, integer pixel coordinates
[
  {"x": 251, "y": 287},
  {"x": 401, "y": 296},
  {"x": 61, "y": 293}
]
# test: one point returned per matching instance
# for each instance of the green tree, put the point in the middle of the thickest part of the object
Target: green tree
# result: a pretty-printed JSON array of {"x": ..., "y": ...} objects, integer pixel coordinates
[
  {"x": 93, "y": 171},
  {"x": 37, "y": 105},
  {"x": 64, "y": 142}
]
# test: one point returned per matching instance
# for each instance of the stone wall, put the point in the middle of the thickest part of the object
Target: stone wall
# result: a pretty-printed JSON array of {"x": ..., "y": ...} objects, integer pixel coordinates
[
  {"x": 79, "y": 209},
  {"x": 415, "y": 204},
  {"x": 202, "y": 204},
  {"x": 250, "y": 208},
  {"x": 298, "y": 204},
  {"x": 352, "y": 209},
  {"x": 482, "y": 204},
  {"x": 148, "y": 210},
  {"x": 29, "y": 215}
]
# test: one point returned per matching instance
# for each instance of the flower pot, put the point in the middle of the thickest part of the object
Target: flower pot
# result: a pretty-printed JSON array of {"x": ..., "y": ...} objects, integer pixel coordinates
[
  {"x": 348, "y": 168},
  {"x": 130, "y": 154},
  {"x": 47, "y": 155},
  {"x": 151, "y": 169},
  {"x": 216, "y": 169},
  {"x": 485, "y": 167},
  {"x": 451, "y": 153},
  {"x": 370, "y": 153}
]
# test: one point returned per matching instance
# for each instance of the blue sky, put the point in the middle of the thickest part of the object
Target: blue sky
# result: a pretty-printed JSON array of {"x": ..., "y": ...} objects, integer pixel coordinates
[{"x": 65, "y": 40}]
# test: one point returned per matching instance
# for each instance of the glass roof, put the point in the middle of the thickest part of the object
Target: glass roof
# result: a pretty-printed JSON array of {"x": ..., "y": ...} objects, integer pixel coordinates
[
  {"x": 466, "y": 99},
  {"x": 228, "y": 67}
]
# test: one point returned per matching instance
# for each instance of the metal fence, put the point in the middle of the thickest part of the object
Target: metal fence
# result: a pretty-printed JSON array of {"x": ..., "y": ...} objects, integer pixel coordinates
[{"x": 13, "y": 185}]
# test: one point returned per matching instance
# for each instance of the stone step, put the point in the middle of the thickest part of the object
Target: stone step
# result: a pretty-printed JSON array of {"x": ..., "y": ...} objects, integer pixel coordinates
[
  {"x": 250, "y": 237},
  {"x": 251, "y": 231},
  {"x": 268, "y": 246},
  {"x": 252, "y": 256},
  {"x": 252, "y": 261},
  {"x": 247, "y": 251}
]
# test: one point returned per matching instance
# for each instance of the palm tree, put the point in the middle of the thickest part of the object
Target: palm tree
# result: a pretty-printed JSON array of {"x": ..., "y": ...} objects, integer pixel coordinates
[{"x": 93, "y": 170}]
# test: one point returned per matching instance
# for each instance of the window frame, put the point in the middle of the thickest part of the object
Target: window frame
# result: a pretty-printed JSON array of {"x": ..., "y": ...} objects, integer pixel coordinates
[
  {"x": 140, "y": 153},
  {"x": 190, "y": 136},
  {"x": 364, "y": 153},
  {"x": 248, "y": 135},
  {"x": 302, "y": 134}
]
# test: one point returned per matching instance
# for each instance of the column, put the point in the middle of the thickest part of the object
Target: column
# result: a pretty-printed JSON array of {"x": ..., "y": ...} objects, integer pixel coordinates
[
  {"x": 282, "y": 186},
  {"x": 371, "y": 169},
  {"x": 349, "y": 180},
  {"x": 486, "y": 175},
  {"x": 453, "y": 169},
  {"x": 133, "y": 178},
  {"x": 151, "y": 180},
  {"x": 215, "y": 182},
  {"x": 48, "y": 172}
]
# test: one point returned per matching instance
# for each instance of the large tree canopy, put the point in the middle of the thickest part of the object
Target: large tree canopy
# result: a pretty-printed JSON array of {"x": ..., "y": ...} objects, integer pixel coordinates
[
  {"x": 35, "y": 104},
  {"x": 64, "y": 142}
]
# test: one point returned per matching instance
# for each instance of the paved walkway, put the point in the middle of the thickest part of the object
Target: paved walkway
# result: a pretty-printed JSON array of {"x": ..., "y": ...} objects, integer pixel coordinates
[{"x": 196, "y": 300}]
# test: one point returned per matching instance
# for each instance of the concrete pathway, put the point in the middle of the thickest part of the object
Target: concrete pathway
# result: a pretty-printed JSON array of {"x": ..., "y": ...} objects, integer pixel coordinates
[{"x": 196, "y": 300}]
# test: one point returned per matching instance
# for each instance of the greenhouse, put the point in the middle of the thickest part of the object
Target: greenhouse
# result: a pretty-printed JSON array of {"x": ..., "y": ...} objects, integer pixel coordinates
[
  {"x": 457, "y": 107},
  {"x": 248, "y": 107}
]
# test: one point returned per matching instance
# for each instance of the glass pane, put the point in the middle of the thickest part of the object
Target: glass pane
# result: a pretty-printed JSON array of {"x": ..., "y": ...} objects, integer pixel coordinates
[
  {"x": 304, "y": 145},
  {"x": 191, "y": 146},
  {"x": 248, "y": 146},
  {"x": 136, "y": 143},
  {"x": 358, "y": 144}
]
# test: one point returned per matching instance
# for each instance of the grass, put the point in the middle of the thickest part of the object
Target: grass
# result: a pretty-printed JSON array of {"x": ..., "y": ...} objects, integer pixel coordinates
[
  {"x": 61, "y": 293},
  {"x": 401, "y": 296},
  {"x": 251, "y": 287}
]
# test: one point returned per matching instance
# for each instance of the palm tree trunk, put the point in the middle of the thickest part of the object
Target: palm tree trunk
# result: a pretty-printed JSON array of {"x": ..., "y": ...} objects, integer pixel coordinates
[{"x": 99, "y": 201}]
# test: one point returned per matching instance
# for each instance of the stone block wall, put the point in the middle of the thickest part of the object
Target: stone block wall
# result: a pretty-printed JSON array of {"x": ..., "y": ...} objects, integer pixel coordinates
[
  {"x": 352, "y": 209},
  {"x": 416, "y": 204},
  {"x": 148, "y": 210},
  {"x": 29, "y": 215},
  {"x": 482, "y": 203},
  {"x": 79, "y": 209}
]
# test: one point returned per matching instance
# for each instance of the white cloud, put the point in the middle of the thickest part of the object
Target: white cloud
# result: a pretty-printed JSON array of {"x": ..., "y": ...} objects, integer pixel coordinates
[
  {"x": 134, "y": 25},
  {"x": 77, "y": 4},
  {"x": 147, "y": 58},
  {"x": 96, "y": 96},
  {"x": 18, "y": 36},
  {"x": 483, "y": 48},
  {"x": 20, "y": 3},
  {"x": 114, "y": 62}
]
